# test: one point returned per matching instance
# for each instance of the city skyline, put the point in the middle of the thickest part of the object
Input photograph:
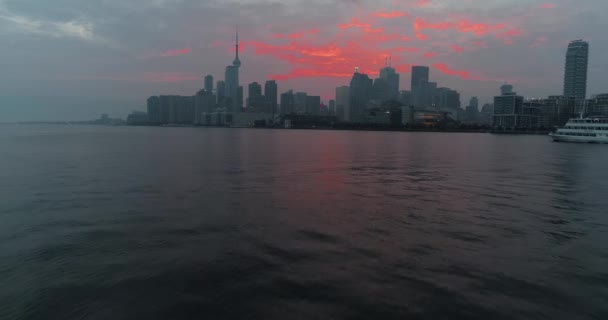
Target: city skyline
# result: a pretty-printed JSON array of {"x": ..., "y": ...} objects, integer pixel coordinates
[{"x": 466, "y": 51}]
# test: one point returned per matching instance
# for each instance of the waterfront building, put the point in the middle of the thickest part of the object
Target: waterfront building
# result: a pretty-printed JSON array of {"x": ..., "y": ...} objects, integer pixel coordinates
[
  {"x": 204, "y": 102},
  {"x": 575, "y": 71},
  {"x": 556, "y": 111},
  {"x": 510, "y": 112}
]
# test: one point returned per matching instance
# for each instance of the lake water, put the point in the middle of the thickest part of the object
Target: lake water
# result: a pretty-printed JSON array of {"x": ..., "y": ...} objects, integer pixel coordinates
[{"x": 211, "y": 223}]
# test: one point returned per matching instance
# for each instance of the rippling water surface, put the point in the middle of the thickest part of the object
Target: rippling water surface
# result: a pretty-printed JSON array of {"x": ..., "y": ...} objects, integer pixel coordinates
[{"x": 190, "y": 223}]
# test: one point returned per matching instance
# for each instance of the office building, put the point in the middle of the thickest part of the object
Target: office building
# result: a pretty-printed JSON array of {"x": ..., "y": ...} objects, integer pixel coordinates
[
  {"x": 313, "y": 105},
  {"x": 360, "y": 94},
  {"x": 391, "y": 78},
  {"x": 287, "y": 103},
  {"x": 420, "y": 86},
  {"x": 256, "y": 100},
  {"x": 271, "y": 96},
  {"x": 221, "y": 93},
  {"x": 343, "y": 103},
  {"x": 332, "y": 107},
  {"x": 153, "y": 108},
  {"x": 300, "y": 102}
]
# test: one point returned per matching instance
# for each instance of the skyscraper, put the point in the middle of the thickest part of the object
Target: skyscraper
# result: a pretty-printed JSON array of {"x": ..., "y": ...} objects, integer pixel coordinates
[
  {"x": 313, "y": 105},
  {"x": 287, "y": 102},
  {"x": 575, "y": 73},
  {"x": 209, "y": 83},
  {"x": 232, "y": 79},
  {"x": 255, "y": 99},
  {"x": 360, "y": 93},
  {"x": 270, "y": 93},
  {"x": 474, "y": 104},
  {"x": 419, "y": 86},
  {"x": 300, "y": 102},
  {"x": 221, "y": 93},
  {"x": 343, "y": 103},
  {"x": 391, "y": 78},
  {"x": 420, "y": 75}
]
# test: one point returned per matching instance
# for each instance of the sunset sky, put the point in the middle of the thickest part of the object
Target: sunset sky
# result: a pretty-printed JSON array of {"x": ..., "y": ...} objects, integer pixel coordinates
[{"x": 74, "y": 59}]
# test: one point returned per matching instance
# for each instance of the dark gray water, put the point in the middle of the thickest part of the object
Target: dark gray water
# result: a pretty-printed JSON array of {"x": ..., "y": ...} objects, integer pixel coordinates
[{"x": 189, "y": 223}]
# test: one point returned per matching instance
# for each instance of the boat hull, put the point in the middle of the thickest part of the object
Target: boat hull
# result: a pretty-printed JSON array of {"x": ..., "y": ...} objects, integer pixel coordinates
[{"x": 577, "y": 139}]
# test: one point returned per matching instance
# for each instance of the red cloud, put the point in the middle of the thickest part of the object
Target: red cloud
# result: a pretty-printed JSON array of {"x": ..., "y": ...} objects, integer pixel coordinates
[
  {"x": 539, "y": 42},
  {"x": 446, "y": 69},
  {"x": 547, "y": 6},
  {"x": 296, "y": 35},
  {"x": 456, "y": 48},
  {"x": 507, "y": 36},
  {"x": 430, "y": 54},
  {"x": 354, "y": 23},
  {"x": 390, "y": 15},
  {"x": 422, "y": 3},
  {"x": 175, "y": 52}
]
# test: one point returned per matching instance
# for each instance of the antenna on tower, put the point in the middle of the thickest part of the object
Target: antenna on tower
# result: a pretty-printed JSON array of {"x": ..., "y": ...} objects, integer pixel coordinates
[{"x": 390, "y": 61}]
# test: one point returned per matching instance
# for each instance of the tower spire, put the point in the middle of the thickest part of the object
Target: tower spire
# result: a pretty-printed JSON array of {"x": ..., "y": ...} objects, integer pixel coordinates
[{"x": 237, "y": 61}]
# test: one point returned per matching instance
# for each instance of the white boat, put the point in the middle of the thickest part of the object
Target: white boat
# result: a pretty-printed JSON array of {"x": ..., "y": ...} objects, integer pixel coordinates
[{"x": 590, "y": 130}]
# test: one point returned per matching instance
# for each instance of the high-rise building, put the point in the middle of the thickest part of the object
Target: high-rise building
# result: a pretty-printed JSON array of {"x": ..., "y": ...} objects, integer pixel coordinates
[
  {"x": 239, "y": 98},
  {"x": 420, "y": 75},
  {"x": 232, "y": 85},
  {"x": 332, "y": 107},
  {"x": 300, "y": 102},
  {"x": 209, "y": 83},
  {"x": 313, "y": 105},
  {"x": 271, "y": 95},
  {"x": 343, "y": 103},
  {"x": 474, "y": 104},
  {"x": 360, "y": 94},
  {"x": 420, "y": 87},
  {"x": 220, "y": 91},
  {"x": 255, "y": 99},
  {"x": 446, "y": 98},
  {"x": 204, "y": 102},
  {"x": 391, "y": 77},
  {"x": 153, "y": 105},
  {"x": 575, "y": 73},
  {"x": 287, "y": 103},
  {"x": 232, "y": 81}
]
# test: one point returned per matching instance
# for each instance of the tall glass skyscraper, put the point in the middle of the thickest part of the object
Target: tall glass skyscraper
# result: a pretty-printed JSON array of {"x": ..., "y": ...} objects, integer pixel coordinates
[{"x": 575, "y": 73}]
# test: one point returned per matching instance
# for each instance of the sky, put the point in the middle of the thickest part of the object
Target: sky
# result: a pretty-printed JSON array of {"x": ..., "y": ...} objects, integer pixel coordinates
[{"x": 74, "y": 59}]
